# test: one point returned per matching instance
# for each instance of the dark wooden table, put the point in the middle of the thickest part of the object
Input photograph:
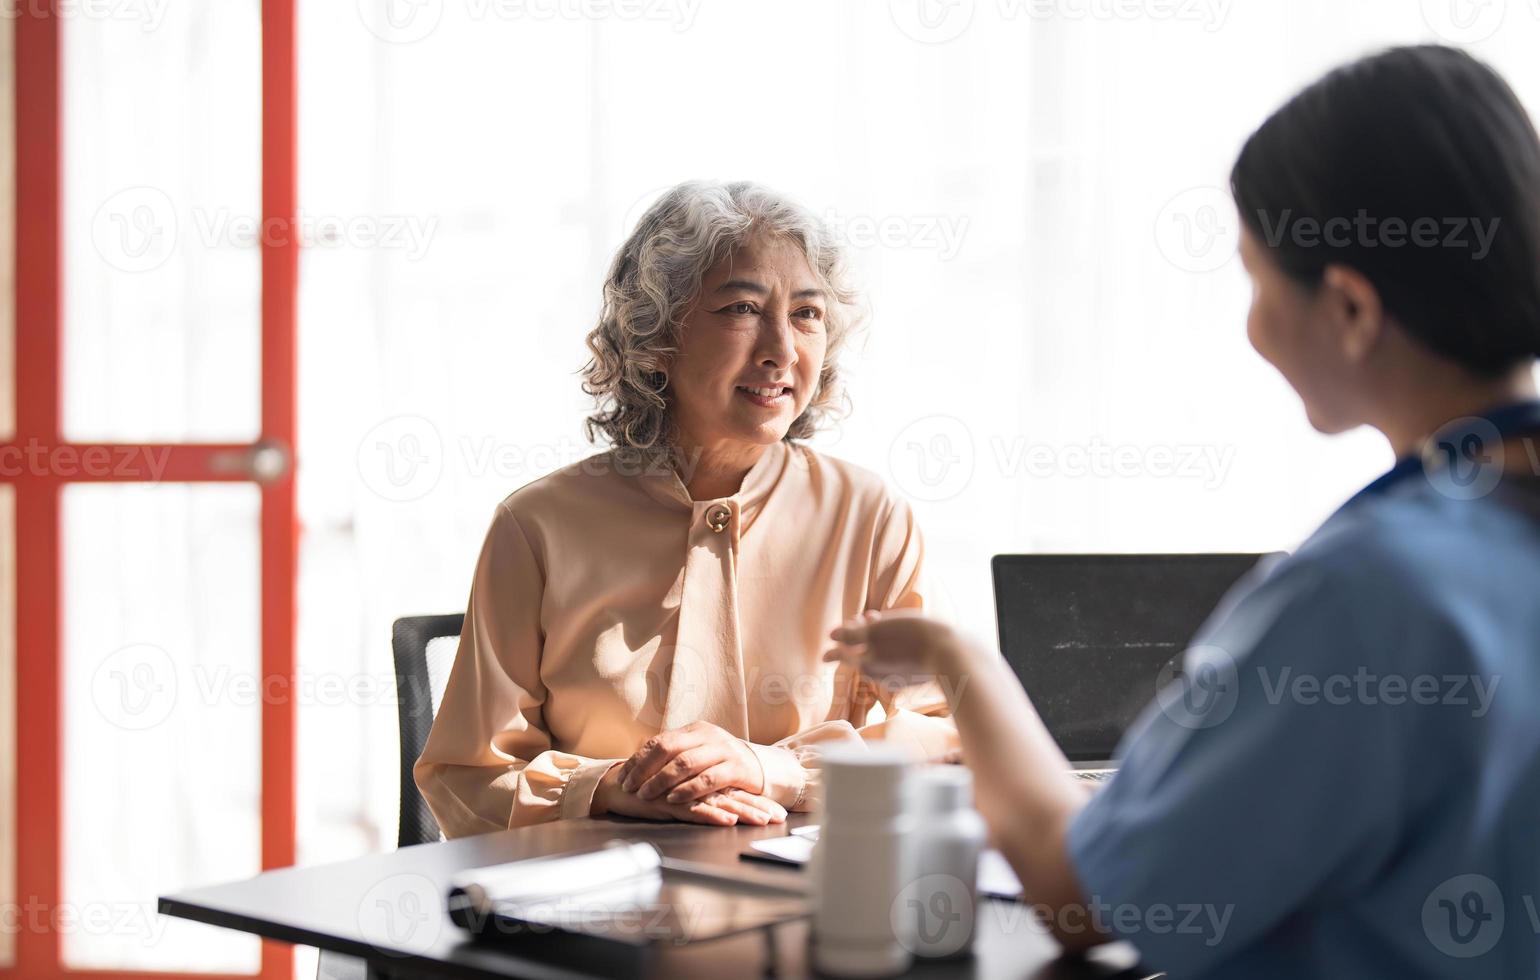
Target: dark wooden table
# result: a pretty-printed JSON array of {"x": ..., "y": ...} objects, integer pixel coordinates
[{"x": 388, "y": 909}]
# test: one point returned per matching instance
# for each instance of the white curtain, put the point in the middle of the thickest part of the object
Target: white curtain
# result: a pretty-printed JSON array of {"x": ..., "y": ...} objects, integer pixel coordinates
[{"x": 1056, "y": 359}]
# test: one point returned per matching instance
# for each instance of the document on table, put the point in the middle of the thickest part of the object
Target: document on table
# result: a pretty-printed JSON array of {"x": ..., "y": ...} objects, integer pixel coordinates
[
  {"x": 626, "y": 892},
  {"x": 996, "y": 879}
]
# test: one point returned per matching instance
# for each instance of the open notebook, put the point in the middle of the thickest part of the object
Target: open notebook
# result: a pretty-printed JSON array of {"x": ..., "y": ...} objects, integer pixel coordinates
[{"x": 626, "y": 892}]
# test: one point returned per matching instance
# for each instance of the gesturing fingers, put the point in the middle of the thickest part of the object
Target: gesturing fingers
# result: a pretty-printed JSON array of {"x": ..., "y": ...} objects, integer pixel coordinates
[
  {"x": 845, "y": 653},
  {"x": 852, "y": 632},
  {"x": 851, "y": 638}
]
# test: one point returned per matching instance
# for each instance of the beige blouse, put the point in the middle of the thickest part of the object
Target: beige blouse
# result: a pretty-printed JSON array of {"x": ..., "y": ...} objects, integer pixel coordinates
[{"x": 607, "y": 606}]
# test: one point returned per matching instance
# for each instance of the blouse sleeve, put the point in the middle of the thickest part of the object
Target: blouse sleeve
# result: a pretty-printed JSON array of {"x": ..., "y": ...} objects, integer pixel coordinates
[
  {"x": 488, "y": 763},
  {"x": 916, "y": 716}
]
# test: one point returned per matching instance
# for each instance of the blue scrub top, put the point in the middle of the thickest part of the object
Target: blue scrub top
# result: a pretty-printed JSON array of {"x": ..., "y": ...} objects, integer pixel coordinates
[{"x": 1344, "y": 780}]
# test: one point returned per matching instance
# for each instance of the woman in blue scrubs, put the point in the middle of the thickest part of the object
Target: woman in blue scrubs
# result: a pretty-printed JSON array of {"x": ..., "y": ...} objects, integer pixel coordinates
[{"x": 1344, "y": 780}]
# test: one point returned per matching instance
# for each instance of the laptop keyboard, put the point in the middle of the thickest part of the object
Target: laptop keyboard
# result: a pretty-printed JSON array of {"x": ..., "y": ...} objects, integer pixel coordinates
[{"x": 1093, "y": 775}]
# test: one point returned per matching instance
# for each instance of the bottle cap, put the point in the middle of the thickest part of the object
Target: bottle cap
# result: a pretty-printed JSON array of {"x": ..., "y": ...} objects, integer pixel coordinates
[
  {"x": 871, "y": 778},
  {"x": 943, "y": 789}
]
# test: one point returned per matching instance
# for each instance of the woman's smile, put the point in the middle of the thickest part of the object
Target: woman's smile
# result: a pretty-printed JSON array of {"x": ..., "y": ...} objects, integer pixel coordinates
[{"x": 765, "y": 396}]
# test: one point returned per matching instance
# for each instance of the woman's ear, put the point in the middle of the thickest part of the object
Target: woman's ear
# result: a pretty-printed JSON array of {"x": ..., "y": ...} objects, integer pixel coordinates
[{"x": 1354, "y": 310}]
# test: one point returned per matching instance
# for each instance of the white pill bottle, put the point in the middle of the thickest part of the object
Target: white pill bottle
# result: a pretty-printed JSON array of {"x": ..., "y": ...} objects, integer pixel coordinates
[
  {"x": 861, "y": 862},
  {"x": 941, "y": 901}
]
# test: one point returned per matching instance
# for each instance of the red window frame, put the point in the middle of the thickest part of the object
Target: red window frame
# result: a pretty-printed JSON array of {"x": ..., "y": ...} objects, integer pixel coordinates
[{"x": 39, "y": 731}]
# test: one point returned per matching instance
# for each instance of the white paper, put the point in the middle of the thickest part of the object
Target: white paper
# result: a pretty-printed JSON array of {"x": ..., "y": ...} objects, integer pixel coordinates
[
  {"x": 791, "y": 849},
  {"x": 996, "y": 879}
]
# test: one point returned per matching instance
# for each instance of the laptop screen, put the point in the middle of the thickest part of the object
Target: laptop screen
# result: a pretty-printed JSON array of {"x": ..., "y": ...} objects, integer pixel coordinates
[{"x": 1088, "y": 635}]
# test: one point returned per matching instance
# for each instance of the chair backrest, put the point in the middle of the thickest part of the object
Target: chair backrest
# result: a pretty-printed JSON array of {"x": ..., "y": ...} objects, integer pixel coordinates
[{"x": 424, "y": 649}]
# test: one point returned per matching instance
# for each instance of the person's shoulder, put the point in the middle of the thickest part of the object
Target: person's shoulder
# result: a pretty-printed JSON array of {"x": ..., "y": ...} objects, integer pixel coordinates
[
  {"x": 1363, "y": 556},
  {"x": 596, "y": 481},
  {"x": 861, "y": 486},
  {"x": 1415, "y": 544},
  {"x": 1391, "y": 576}
]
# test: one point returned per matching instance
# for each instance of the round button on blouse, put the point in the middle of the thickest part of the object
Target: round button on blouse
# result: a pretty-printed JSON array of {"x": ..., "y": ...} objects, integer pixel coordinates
[{"x": 717, "y": 518}]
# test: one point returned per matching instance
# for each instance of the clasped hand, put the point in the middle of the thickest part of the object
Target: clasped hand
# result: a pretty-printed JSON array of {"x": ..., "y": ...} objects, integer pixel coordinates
[
  {"x": 699, "y": 773},
  {"x": 702, "y": 774}
]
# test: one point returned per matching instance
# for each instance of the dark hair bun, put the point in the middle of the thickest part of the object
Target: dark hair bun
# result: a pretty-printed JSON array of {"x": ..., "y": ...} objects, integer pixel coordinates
[{"x": 1419, "y": 168}]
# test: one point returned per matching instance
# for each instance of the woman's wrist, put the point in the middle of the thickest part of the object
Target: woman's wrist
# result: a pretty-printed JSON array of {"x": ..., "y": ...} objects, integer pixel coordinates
[
  {"x": 756, "y": 765},
  {"x": 785, "y": 780},
  {"x": 601, "y": 801}
]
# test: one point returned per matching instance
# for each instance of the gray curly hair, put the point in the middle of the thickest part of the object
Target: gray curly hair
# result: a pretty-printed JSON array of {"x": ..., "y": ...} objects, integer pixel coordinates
[{"x": 657, "y": 274}]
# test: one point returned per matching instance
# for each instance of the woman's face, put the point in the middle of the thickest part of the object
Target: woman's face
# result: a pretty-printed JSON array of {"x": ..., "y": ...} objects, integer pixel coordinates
[
  {"x": 1300, "y": 331},
  {"x": 751, "y": 347}
]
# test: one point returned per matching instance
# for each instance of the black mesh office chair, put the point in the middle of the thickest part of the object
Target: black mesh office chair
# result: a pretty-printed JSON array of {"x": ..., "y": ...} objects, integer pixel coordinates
[{"x": 424, "y": 650}]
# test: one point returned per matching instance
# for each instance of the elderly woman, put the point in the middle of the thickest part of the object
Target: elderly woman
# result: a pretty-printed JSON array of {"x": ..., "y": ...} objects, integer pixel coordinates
[{"x": 645, "y": 628}]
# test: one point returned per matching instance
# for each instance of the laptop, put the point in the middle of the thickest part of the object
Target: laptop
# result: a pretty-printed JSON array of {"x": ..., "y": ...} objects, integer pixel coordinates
[{"x": 1090, "y": 635}]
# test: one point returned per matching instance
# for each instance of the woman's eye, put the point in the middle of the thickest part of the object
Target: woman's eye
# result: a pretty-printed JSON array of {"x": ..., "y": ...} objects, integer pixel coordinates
[
  {"x": 739, "y": 309},
  {"x": 810, "y": 313}
]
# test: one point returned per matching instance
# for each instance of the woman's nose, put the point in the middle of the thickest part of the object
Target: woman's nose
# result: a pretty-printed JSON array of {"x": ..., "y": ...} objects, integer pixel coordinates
[{"x": 776, "y": 345}]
